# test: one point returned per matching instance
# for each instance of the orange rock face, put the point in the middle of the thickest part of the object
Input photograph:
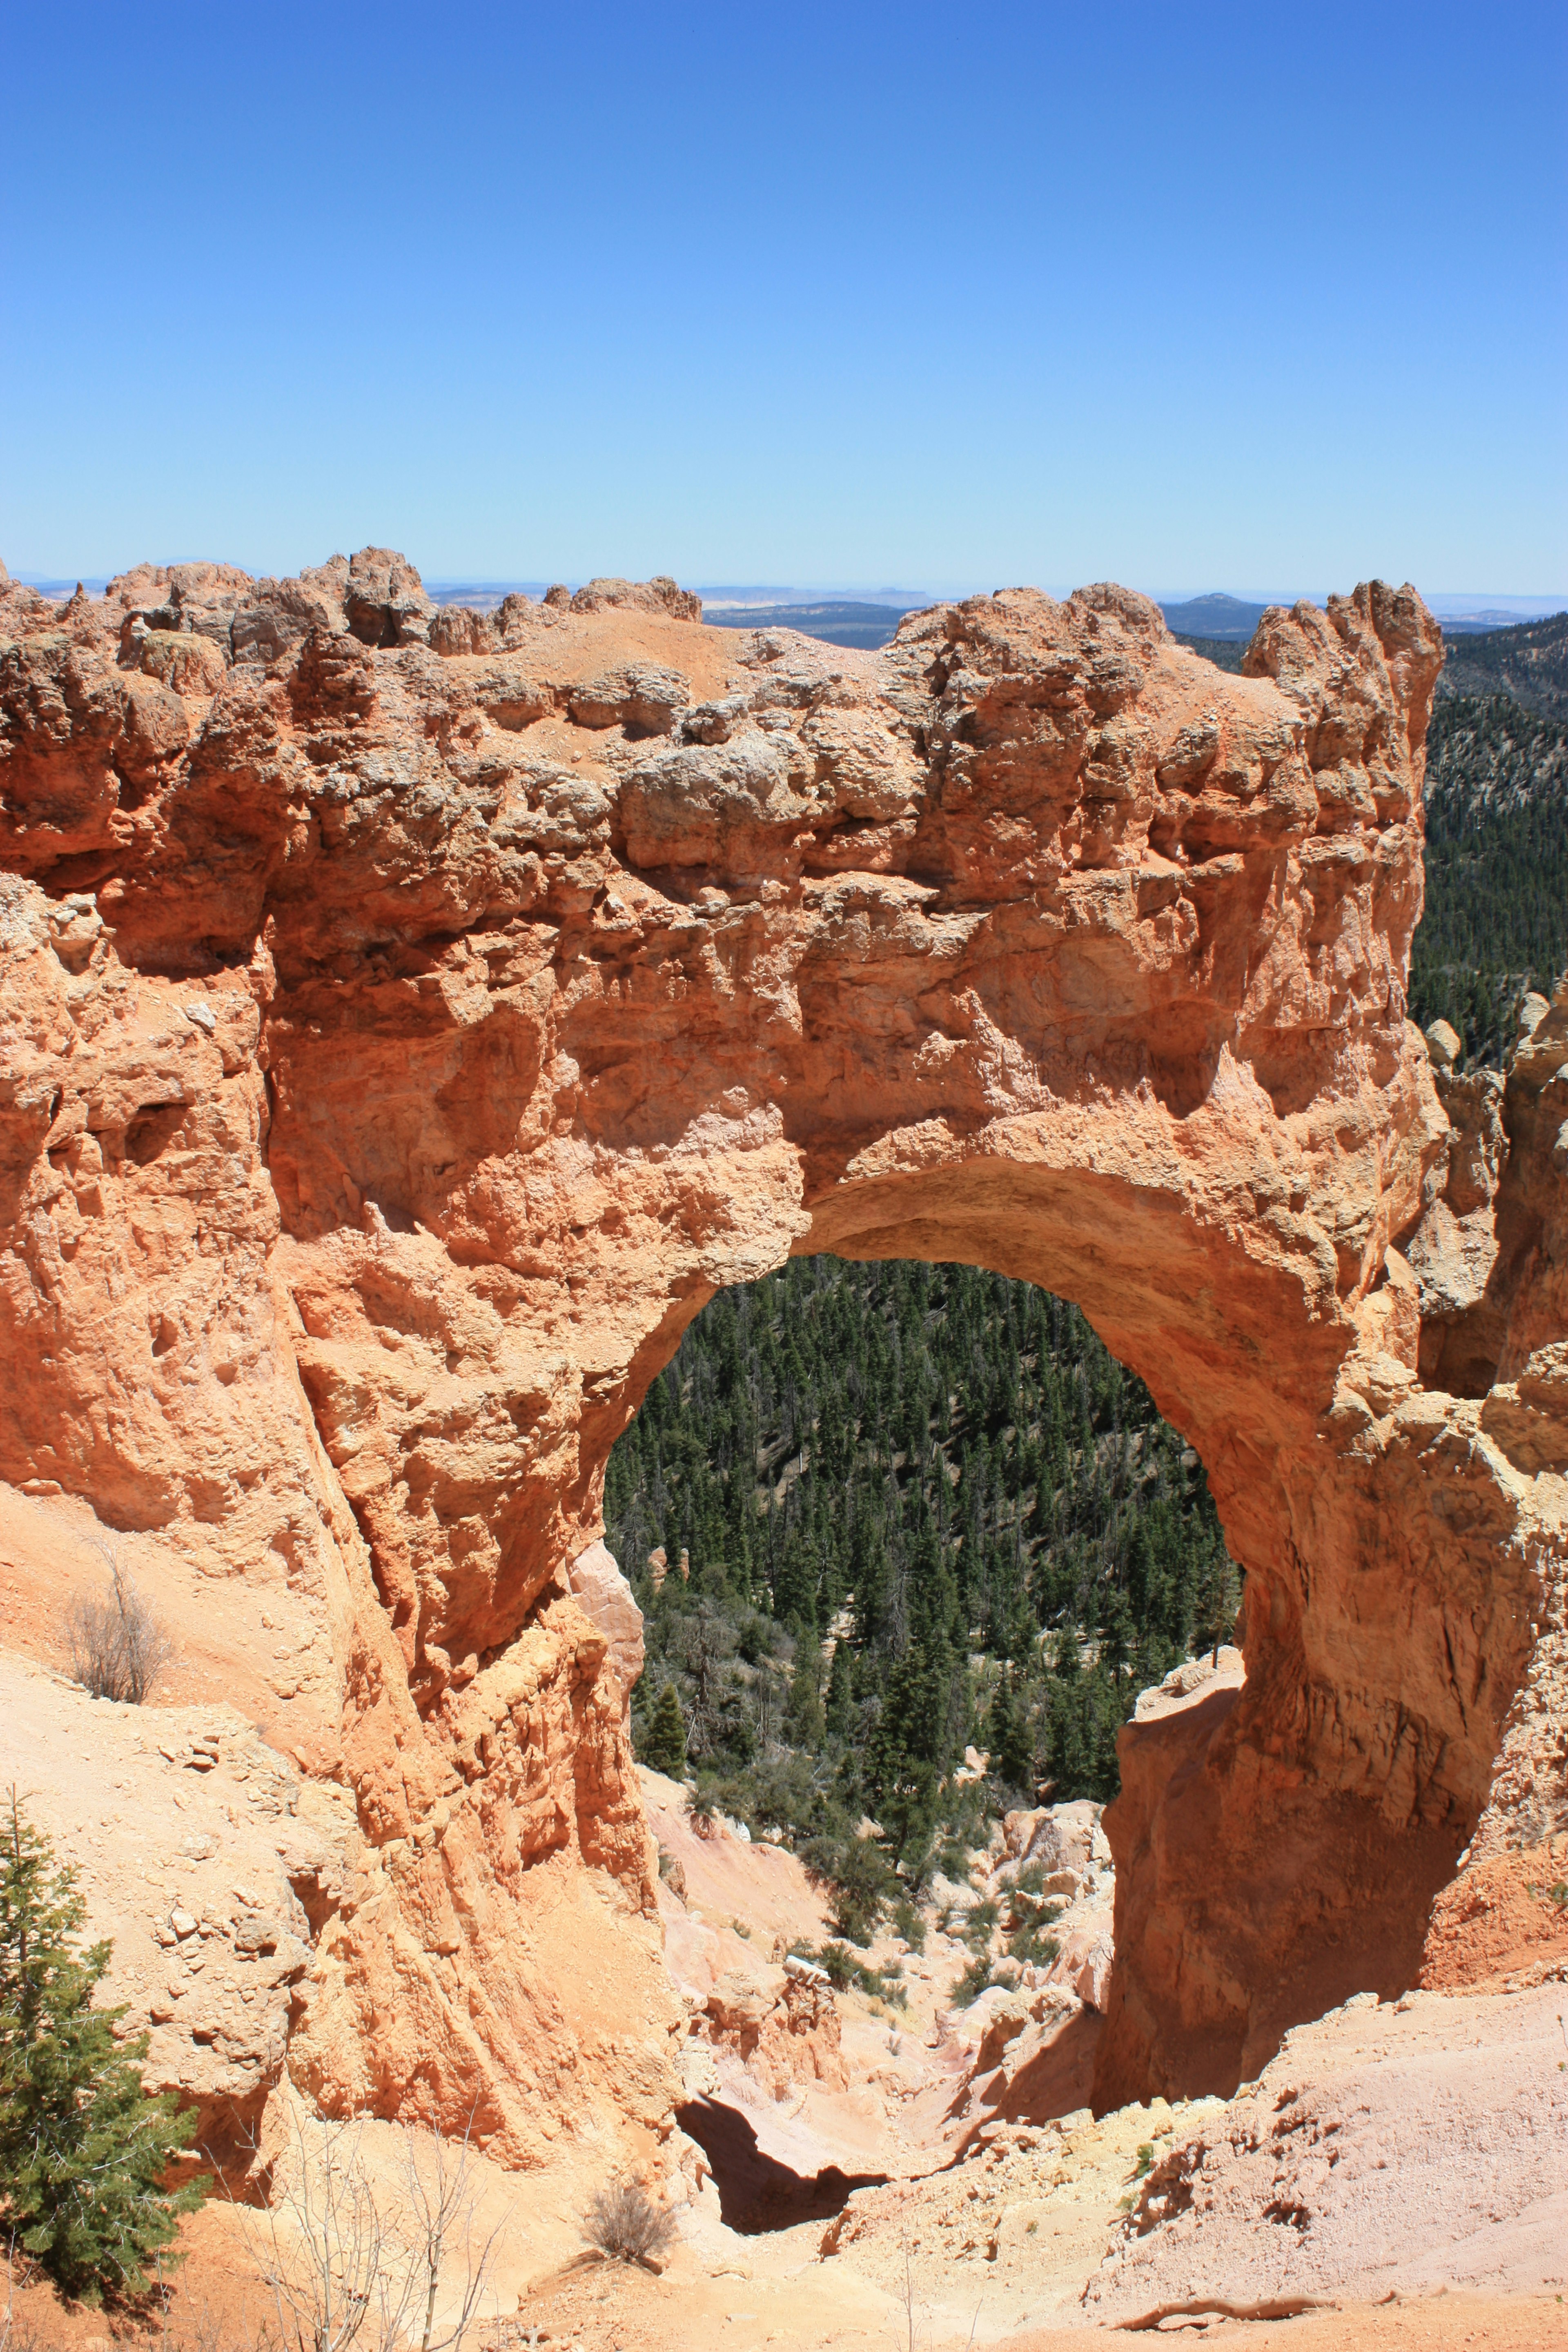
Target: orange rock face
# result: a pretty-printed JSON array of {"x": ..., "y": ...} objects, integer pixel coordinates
[{"x": 411, "y": 1018}]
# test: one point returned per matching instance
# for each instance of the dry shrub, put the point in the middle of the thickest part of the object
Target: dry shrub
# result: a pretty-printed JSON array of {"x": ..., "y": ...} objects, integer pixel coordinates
[
  {"x": 207, "y": 2330},
  {"x": 117, "y": 1646},
  {"x": 625, "y": 2222},
  {"x": 349, "y": 2263}
]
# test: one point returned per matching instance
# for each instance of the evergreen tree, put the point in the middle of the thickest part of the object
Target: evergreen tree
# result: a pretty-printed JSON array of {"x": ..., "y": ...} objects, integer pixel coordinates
[
  {"x": 83, "y": 2149},
  {"x": 1216, "y": 1600},
  {"x": 840, "y": 1711},
  {"x": 794, "y": 1587},
  {"x": 1011, "y": 1745},
  {"x": 663, "y": 1744},
  {"x": 860, "y": 1883},
  {"x": 804, "y": 1722}
]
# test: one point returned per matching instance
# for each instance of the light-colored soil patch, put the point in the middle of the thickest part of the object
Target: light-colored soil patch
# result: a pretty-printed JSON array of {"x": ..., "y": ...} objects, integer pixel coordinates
[{"x": 251, "y": 1643}]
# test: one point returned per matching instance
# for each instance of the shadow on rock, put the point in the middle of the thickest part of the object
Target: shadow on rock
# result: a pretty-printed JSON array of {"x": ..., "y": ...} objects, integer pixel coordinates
[{"x": 757, "y": 2192}]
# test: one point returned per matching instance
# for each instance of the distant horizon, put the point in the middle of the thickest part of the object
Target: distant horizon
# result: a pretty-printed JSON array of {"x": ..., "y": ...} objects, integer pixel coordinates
[{"x": 1450, "y": 603}]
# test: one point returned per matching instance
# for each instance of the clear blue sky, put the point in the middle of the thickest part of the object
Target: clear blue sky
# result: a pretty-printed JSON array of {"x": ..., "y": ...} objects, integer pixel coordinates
[{"x": 1237, "y": 297}]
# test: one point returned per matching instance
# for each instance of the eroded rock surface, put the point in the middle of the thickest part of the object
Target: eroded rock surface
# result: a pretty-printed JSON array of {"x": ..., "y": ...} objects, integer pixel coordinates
[
  {"x": 1382, "y": 2153},
  {"x": 411, "y": 1018},
  {"x": 210, "y": 1864}
]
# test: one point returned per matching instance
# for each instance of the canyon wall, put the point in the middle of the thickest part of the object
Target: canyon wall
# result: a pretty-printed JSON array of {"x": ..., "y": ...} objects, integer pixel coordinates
[{"x": 410, "y": 1017}]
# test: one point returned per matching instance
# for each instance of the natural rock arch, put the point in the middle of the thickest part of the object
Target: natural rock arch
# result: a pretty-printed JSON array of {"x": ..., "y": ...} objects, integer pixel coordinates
[{"x": 413, "y": 1017}]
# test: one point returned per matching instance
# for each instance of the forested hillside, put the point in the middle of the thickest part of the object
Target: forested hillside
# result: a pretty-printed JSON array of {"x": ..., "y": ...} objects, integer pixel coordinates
[
  {"x": 945, "y": 1475},
  {"x": 1496, "y": 921},
  {"x": 1529, "y": 663},
  {"x": 1223, "y": 652}
]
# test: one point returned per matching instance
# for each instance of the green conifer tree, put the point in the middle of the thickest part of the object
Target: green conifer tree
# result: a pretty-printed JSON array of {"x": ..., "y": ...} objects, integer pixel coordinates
[
  {"x": 841, "y": 1692},
  {"x": 804, "y": 1719},
  {"x": 83, "y": 2150},
  {"x": 1011, "y": 1742},
  {"x": 1217, "y": 1596},
  {"x": 664, "y": 1742},
  {"x": 794, "y": 1586}
]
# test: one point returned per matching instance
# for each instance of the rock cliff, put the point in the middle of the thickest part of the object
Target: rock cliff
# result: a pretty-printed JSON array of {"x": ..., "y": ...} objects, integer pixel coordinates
[{"x": 410, "y": 1018}]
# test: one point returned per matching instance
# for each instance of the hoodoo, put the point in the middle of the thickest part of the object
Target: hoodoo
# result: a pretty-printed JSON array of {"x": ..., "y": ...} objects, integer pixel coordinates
[{"x": 410, "y": 1017}]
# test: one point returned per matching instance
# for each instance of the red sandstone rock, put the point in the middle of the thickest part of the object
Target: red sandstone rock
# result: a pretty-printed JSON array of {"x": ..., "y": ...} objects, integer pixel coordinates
[
  {"x": 1385, "y": 2153},
  {"x": 1500, "y": 1920},
  {"x": 596, "y": 1584},
  {"x": 407, "y": 1030},
  {"x": 781, "y": 2034}
]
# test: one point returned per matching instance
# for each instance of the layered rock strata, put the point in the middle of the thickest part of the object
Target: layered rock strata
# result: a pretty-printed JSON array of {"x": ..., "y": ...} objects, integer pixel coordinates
[{"x": 410, "y": 1020}]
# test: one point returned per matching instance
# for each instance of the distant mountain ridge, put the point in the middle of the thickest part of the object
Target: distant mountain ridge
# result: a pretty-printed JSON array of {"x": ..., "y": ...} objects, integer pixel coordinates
[
  {"x": 1528, "y": 662},
  {"x": 836, "y": 622},
  {"x": 1225, "y": 619},
  {"x": 897, "y": 600}
]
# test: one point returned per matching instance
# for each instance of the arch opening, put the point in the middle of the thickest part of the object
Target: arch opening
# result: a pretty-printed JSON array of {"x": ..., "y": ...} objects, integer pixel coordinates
[
  {"x": 882, "y": 1513},
  {"x": 1327, "y": 1881},
  {"x": 908, "y": 1544}
]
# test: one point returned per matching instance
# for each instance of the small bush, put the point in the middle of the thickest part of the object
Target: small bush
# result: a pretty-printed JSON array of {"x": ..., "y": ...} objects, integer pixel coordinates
[
  {"x": 1032, "y": 1943},
  {"x": 909, "y": 1924},
  {"x": 702, "y": 1811},
  {"x": 18, "y": 2334},
  {"x": 1023, "y": 1906},
  {"x": 1034, "y": 1948},
  {"x": 1031, "y": 1879},
  {"x": 789, "y": 1792},
  {"x": 855, "y": 1874},
  {"x": 982, "y": 1920},
  {"x": 760, "y": 1638},
  {"x": 672, "y": 1869},
  {"x": 844, "y": 1969},
  {"x": 953, "y": 1859},
  {"x": 116, "y": 1646},
  {"x": 625, "y": 2222},
  {"x": 973, "y": 1981}
]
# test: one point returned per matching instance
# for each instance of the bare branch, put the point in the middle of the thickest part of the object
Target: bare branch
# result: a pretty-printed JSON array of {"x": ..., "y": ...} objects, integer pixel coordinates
[{"x": 117, "y": 1644}]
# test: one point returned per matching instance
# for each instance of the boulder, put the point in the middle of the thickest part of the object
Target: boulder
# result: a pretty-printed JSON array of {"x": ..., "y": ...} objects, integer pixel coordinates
[{"x": 1062, "y": 1838}]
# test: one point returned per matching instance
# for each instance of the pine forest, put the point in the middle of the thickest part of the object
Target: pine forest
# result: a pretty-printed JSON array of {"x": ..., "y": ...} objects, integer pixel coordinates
[{"x": 877, "y": 1514}]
